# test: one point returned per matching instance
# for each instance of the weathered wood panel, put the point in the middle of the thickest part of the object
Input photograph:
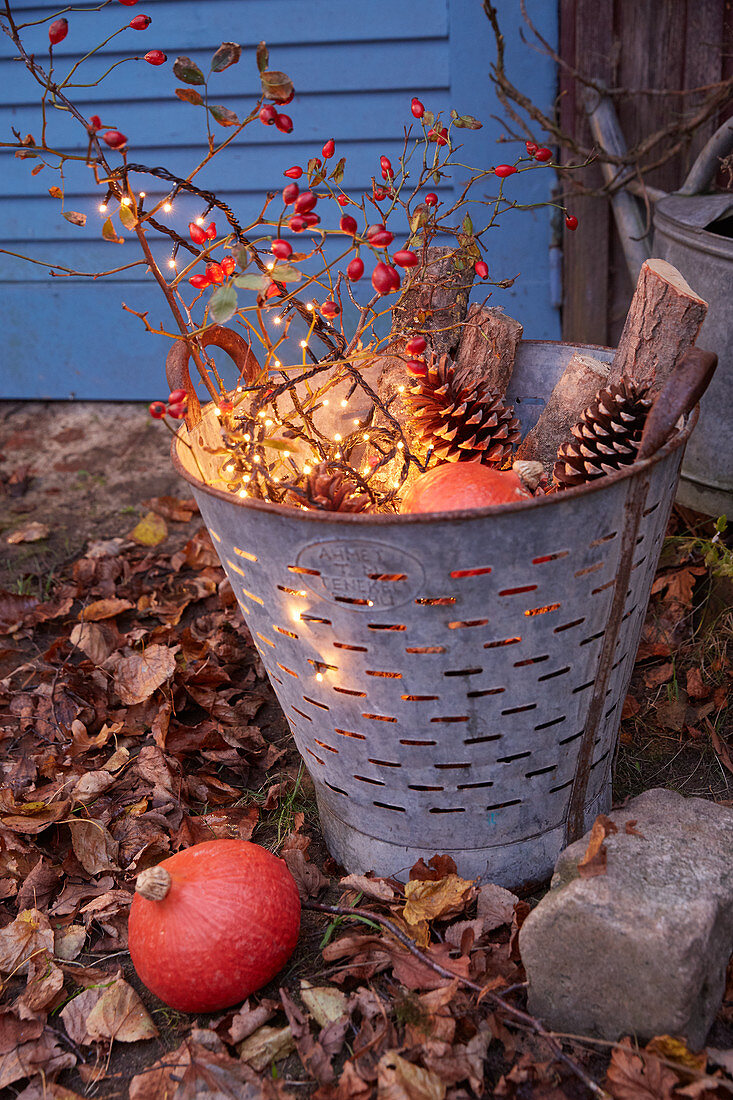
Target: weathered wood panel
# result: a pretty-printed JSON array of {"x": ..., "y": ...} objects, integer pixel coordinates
[{"x": 632, "y": 45}]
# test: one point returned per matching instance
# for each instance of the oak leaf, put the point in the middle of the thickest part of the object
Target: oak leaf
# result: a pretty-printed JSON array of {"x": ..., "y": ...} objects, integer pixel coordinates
[{"x": 632, "y": 1077}]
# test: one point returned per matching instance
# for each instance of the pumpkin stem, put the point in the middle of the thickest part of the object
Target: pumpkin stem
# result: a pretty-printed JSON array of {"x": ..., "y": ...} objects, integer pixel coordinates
[{"x": 154, "y": 883}]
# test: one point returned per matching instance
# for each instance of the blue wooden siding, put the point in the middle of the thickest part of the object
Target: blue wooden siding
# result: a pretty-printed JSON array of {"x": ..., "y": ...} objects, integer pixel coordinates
[{"x": 355, "y": 68}]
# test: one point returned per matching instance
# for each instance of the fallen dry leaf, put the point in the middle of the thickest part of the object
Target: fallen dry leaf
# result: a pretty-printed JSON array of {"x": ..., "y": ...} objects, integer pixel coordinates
[
  {"x": 373, "y": 887},
  {"x": 27, "y": 936},
  {"x": 495, "y": 906},
  {"x": 401, "y": 1080},
  {"x": 95, "y": 640},
  {"x": 94, "y": 846},
  {"x": 32, "y": 532},
  {"x": 720, "y": 747},
  {"x": 29, "y": 1049},
  {"x": 104, "y": 609},
  {"x": 308, "y": 878},
  {"x": 173, "y": 508},
  {"x": 69, "y": 941},
  {"x": 313, "y": 1057},
  {"x": 632, "y": 1077},
  {"x": 247, "y": 1019},
  {"x": 119, "y": 1014},
  {"x": 593, "y": 861},
  {"x": 325, "y": 1003},
  {"x": 660, "y": 674},
  {"x": 150, "y": 531},
  {"x": 672, "y": 1049},
  {"x": 266, "y": 1045},
  {"x": 696, "y": 689},
  {"x": 433, "y": 900},
  {"x": 14, "y": 610},
  {"x": 439, "y": 866},
  {"x": 136, "y": 677}
]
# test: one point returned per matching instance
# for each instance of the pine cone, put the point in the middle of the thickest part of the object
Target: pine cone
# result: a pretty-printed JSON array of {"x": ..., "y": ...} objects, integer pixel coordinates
[
  {"x": 462, "y": 419},
  {"x": 330, "y": 490},
  {"x": 607, "y": 436}
]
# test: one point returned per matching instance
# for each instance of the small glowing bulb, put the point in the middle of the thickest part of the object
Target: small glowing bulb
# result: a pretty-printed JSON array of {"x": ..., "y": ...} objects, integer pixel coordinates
[
  {"x": 370, "y": 603},
  {"x": 344, "y": 403},
  {"x": 277, "y": 320},
  {"x": 257, "y": 458},
  {"x": 306, "y": 469},
  {"x": 400, "y": 446},
  {"x": 400, "y": 389},
  {"x": 270, "y": 265},
  {"x": 269, "y": 423},
  {"x": 356, "y": 422},
  {"x": 286, "y": 454},
  {"x": 261, "y": 415},
  {"x": 365, "y": 437},
  {"x": 325, "y": 400},
  {"x": 364, "y": 471},
  {"x": 171, "y": 262},
  {"x": 302, "y": 593},
  {"x": 167, "y": 206},
  {"x": 338, "y": 454},
  {"x": 199, "y": 221},
  {"x": 243, "y": 493},
  {"x": 309, "y": 305},
  {"x": 103, "y": 208},
  {"x": 275, "y": 477},
  {"x": 304, "y": 343},
  {"x": 126, "y": 200},
  {"x": 319, "y": 676},
  {"x": 337, "y": 437},
  {"x": 229, "y": 469},
  {"x": 247, "y": 478},
  {"x": 217, "y": 412},
  {"x": 142, "y": 194},
  {"x": 278, "y": 363}
]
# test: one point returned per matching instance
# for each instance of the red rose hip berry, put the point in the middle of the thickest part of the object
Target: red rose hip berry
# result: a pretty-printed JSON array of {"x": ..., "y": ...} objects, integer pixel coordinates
[
  {"x": 284, "y": 123},
  {"x": 157, "y": 410},
  {"x": 196, "y": 233},
  {"x": 385, "y": 279},
  {"x": 481, "y": 269},
  {"x": 416, "y": 345},
  {"x": 504, "y": 170},
  {"x": 200, "y": 282},
  {"x": 405, "y": 258},
  {"x": 355, "y": 270},
  {"x": 156, "y": 57},
  {"x": 328, "y": 149},
  {"x": 140, "y": 22},
  {"x": 417, "y": 108},
  {"x": 543, "y": 154},
  {"x": 114, "y": 139},
  {"x": 330, "y": 309},
  {"x": 290, "y": 193},
  {"x": 281, "y": 249},
  {"x": 268, "y": 115},
  {"x": 571, "y": 222},
  {"x": 293, "y": 173},
  {"x": 431, "y": 199},
  {"x": 347, "y": 224},
  {"x": 58, "y": 31},
  {"x": 305, "y": 202}
]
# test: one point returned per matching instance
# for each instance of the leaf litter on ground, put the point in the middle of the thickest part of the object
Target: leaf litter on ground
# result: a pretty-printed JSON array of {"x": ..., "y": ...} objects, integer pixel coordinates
[{"x": 139, "y": 722}]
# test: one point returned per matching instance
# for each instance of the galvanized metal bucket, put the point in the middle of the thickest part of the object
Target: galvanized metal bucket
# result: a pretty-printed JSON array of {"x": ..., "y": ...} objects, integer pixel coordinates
[{"x": 454, "y": 681}]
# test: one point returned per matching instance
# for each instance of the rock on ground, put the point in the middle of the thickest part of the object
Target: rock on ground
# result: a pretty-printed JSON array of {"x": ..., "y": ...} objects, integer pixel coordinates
[{"x": 642, "y": 949}]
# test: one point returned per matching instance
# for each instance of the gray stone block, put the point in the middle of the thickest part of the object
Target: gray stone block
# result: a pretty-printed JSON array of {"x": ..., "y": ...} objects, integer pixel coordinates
[{"x": 643, "y": 949}]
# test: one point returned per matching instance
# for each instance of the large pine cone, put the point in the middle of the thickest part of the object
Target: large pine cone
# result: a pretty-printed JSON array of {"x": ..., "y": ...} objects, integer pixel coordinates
[
  {"x": 463, "y": 420},
  {"x": 607, "y": 436},
  {"x": 330, "y": 490}
]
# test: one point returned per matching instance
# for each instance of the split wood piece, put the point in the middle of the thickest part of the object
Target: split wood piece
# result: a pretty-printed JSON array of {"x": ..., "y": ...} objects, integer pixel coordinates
[
  {"x": 663, "y": 321},
  {"x": 435, "y": 299},
  {"x": 581, "y": 380},
  {"x": 488, "y": 347}
]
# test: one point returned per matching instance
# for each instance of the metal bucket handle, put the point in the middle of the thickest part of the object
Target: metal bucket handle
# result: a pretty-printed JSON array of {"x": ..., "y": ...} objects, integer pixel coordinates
[
  {"x": 176, "y": 364},
  {"x": 703, "y": 171}
]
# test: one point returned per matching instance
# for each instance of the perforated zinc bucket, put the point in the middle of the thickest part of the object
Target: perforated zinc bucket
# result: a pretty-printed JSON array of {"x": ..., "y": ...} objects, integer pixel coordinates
[{"x": 453, "y": 681}]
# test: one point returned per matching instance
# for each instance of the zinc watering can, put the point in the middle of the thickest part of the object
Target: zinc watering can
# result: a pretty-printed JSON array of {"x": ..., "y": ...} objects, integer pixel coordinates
[{"x": 693, "y": 230}]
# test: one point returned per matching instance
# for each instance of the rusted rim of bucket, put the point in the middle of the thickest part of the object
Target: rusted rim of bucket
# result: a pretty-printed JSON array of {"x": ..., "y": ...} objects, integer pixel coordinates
[{"x": 385, "y": 519}]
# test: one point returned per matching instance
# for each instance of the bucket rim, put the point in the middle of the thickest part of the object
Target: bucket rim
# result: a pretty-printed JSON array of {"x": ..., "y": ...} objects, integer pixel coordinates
[{"x": 387, "y": 519}]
